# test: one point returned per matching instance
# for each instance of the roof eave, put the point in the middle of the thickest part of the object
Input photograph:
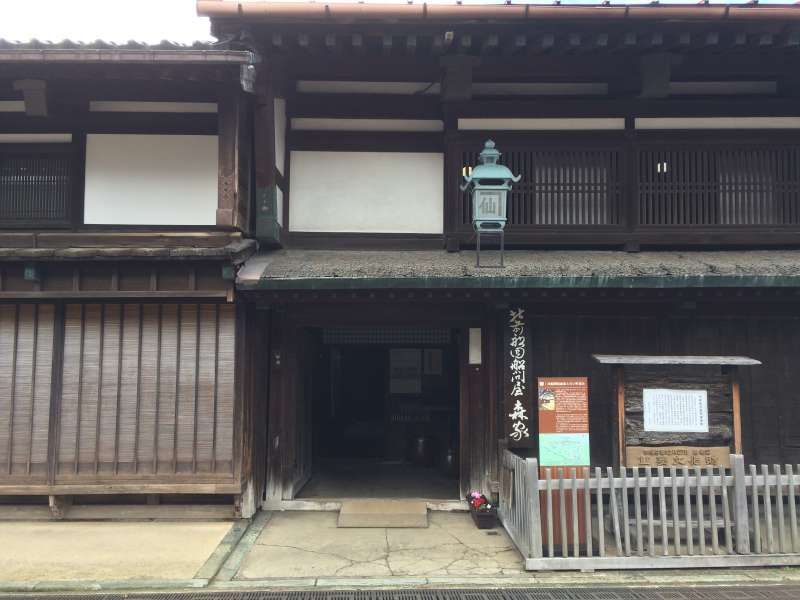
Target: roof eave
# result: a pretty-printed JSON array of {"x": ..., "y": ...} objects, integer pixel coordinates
[
  {"x": 87, "y": 55},
  {"x": 349, "y": 12}
]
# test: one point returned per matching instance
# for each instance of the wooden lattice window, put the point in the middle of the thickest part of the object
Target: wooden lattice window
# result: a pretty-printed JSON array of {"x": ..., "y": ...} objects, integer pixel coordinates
[
  {"x": 36, "y": 185},
  {"x": 563, "y": 186},
  {"x": 719, "y": 185}
]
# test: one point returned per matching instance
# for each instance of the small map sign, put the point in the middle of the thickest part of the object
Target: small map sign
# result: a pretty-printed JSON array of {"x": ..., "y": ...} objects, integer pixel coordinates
[
  {"x": 563, "y": 421},
  {"x": 682, "y": 411}
]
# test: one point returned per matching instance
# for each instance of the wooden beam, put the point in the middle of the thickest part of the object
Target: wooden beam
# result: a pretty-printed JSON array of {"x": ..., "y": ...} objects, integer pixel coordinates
[
  {"x": 387, "y": 43},
  {"x": 357, "y": 42},
  {"x": 330, "y": 42},
  {"x": 791, "y": 40},
  {"x": 765, "y": 40},
  {"x": 545, "y": 43},
  {"x": 465, "y": 43},
  {"x": 515, "y": 45},
  {"x": 656, "y": 71},
  {"x": 490, "y": 44},
  {"x": 457, "y": 80},
  {"x": 411, "y": 45},
  {"x": 34, "y": 91}
]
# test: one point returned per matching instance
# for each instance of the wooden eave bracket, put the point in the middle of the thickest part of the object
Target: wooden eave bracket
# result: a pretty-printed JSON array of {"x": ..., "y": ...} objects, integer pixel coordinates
[
  {"x": 34, "y": 92},
  {"x": 457, "y": 77},
  {"x": 656, "y": 74}
]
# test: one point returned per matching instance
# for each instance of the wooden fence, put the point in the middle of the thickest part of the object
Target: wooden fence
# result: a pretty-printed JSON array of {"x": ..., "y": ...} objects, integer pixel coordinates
[{"x": 582, "y": 518}]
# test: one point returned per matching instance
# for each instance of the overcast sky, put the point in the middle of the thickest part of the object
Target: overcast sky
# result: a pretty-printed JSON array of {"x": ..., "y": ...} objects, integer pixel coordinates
[{"x": 142, "y": 20}]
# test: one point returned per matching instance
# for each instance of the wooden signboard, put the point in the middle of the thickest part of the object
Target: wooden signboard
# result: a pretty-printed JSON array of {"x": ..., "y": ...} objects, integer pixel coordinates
[
  {"x": 678, "y": 456},
  {"x": 676, "y": 411},
  {"x": 517, "y": 388},
  {"x": 564, "y": 444}
]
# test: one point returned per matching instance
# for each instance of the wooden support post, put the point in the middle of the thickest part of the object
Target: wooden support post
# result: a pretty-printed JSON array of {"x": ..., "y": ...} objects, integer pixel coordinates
[
  {"x": 58, "y": 505},
  {"x": 244, "y": 504},
  {"x": 736, "y": 397},
  {"x": 620, "y": 389},
  {"x": 535, "y": 529},
  {"x": 741, "y": 519}
]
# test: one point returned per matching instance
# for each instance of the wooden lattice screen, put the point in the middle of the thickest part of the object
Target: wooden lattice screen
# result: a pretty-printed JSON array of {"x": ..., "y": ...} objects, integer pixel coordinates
[
  {"x": 719, "y": 185},
  {"x": 582, "y": 187},
  {"x": 36, "y": 187},
  {"x": 148, "y": 389},
  {"x": 559, "y": 186},
  {"x": 26, "y": 352}
]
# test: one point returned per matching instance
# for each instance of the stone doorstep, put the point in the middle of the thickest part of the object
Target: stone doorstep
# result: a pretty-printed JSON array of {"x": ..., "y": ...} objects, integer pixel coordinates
[{"x": 383, "y": 513}]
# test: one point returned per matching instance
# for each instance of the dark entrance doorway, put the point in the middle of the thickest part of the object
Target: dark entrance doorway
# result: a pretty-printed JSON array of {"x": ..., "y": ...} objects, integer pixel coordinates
[{"x": 384, "y": 414}]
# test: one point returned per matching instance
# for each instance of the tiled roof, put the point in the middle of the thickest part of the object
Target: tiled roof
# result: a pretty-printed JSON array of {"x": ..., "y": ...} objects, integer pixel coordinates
[{"x": 102, "y": 51}]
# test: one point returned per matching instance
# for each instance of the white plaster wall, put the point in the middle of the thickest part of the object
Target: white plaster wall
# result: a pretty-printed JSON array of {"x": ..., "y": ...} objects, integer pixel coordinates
[
  {"x": 151, "y": 179},
  {"x": 366, "y": 192},
  {"x": 280, "y": 134}
]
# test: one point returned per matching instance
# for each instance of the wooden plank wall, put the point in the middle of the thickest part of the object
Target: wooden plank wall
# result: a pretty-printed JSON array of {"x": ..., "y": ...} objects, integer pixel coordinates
[
  {"x": 26, "y": 353},
  {"x": 562, "y": 346},
  {"x": 147, "y": 390},
  {"x": 145, "y": 396}
]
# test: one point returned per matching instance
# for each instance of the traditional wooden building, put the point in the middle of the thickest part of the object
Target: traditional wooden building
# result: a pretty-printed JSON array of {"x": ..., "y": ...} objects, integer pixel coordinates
[
  {"x": 658, "y": 152},
  {"x": 125, "y": 210},
  {"x": 250, "y": 272}
]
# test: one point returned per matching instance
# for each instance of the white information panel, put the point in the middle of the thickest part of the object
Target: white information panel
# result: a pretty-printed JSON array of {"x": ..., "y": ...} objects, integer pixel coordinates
[{"x": 675, "y": 410}]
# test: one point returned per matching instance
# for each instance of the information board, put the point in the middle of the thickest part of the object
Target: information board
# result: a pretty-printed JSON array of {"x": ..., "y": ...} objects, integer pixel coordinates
[
  {"x": 682, "y": 411},
  {"x": 563, "y": 421}
]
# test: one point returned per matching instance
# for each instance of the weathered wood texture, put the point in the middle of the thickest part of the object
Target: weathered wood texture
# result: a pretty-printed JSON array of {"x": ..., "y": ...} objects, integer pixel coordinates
[
  {"x": 233, "y": 206},
  {"x": 148, "y": 390},
  {"x": 709, "y": 378},
  {"x": 145, "y": 398},
  {"x": 26, "y": 350},
  {"x": 562, "y": 345}
]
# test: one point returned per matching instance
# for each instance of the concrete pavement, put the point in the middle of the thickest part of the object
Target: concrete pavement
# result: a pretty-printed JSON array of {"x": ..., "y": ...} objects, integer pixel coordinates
[{"x": 298, "y": 550}]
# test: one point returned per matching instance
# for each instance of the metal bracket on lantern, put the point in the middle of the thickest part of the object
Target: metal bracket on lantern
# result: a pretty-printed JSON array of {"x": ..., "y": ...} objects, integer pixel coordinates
[{"x": 500, "y": 232}]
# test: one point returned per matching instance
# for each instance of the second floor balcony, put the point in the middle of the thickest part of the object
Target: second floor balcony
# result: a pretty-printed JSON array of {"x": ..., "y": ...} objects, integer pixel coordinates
[{"x": 670, "y": 190}]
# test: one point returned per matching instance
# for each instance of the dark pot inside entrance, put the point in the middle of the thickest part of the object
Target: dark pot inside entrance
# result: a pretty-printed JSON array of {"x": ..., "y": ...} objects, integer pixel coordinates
[
  {"x": 449, "y": 462},
  {"x": 421, "y": 451}
]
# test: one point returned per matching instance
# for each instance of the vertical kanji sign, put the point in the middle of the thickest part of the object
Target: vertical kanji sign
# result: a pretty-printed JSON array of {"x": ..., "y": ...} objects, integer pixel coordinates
[{"x": 518, "y": 391}]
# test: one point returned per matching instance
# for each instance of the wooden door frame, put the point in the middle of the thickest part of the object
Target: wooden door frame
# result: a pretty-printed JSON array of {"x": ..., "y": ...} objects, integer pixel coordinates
[{"x": 477, "y": 395}]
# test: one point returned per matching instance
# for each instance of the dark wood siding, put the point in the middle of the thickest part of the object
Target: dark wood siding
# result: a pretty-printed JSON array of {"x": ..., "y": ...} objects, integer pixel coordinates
[
  {"x": 147, "y": 390},
  {"x": 562, "y": 346},
  {"x": 26, "y": 351}
]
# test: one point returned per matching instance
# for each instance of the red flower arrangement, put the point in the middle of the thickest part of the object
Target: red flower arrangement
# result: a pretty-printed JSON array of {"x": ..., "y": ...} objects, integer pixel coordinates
[
  {"x": 479, "y": 502},
  {"x": 483, "y": 512}
]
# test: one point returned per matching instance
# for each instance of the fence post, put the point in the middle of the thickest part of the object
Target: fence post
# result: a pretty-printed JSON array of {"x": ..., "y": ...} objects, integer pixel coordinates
[
  {"x": 740, "y": 505},
  {"x": 535, "y": 529}
]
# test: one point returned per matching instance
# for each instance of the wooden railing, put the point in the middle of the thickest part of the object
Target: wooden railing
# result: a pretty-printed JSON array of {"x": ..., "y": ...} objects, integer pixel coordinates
[{"x": 652, "y": 518}]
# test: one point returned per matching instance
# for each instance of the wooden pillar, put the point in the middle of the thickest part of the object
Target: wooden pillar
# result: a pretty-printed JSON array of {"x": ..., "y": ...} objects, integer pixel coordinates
[
  {"x": 276, "y": 363},
  {"x": 234, "y": 130},
  {"x": 270, "y": 85}
]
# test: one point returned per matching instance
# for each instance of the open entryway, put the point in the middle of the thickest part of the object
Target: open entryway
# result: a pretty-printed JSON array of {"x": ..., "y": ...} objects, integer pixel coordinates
[{"x": 383, "y": 414}]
